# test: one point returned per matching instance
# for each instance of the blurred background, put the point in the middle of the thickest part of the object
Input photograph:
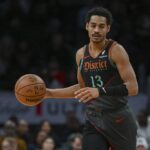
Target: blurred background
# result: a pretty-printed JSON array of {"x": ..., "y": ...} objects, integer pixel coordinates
[{"x": 42, "y": 37}]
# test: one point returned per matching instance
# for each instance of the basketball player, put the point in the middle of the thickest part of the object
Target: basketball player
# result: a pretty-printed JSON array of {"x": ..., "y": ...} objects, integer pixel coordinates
[{"x": 105, "y": 78}]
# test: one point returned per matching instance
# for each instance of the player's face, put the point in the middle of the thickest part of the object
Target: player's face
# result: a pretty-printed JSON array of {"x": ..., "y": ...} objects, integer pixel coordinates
[{"x": 97, "y": 28}]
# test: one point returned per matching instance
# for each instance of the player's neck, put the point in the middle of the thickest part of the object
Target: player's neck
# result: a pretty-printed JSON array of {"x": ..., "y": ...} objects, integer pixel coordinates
[{"x": 97, "y": 46}]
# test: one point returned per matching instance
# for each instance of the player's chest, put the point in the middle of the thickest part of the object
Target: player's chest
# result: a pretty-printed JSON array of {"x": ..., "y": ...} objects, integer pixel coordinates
[{"x": 96, "y": 65}]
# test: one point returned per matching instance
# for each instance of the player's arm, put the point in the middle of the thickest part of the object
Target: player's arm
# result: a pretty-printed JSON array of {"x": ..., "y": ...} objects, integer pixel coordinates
[
  {"x": 121, "y": 59},
  {"x": 68, "y": 92}
]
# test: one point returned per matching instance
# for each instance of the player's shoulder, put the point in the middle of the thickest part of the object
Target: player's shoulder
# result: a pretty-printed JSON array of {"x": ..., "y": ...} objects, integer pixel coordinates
[
  {"x": 80, "y": 54},
  {"x": 80, "y": 51},
  {"x": 117, "y": 47},
  {"x": 118, "y": 52}
]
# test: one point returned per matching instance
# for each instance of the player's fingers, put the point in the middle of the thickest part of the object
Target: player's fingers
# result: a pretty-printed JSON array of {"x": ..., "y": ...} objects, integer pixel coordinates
[
  {"x": 87, "y": 99},
  {"x": 81, "y": 94},
  {"x": 79, "y": 91},
  {"x": 84, "y": 97}
]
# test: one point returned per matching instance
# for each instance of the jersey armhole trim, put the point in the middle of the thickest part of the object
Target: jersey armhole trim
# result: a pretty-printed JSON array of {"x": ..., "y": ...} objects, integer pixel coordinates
[
  {"x": 81, "y": 60},
  {"x": 81, "y": 63},
  {"x": 109, "y": 55}
]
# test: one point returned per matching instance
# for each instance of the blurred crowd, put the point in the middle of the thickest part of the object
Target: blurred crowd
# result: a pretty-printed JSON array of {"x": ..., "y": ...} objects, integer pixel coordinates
[
  {"x": 18, "y": 134},
  {"x": 42, "y": 37}
]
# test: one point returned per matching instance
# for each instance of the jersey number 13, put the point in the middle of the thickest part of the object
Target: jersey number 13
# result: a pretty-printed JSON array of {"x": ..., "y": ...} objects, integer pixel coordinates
[{"x": 96, "y": 81}]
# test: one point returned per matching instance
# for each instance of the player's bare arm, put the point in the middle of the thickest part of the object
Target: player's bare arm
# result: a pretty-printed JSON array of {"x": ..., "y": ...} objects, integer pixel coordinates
[
  {"x": 67, "y": 92},
  {"x": 121, "y": 59}
]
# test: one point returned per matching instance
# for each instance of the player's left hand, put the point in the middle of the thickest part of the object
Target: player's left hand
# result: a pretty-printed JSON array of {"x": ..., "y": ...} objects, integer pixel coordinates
[{"x": 86, "y": 94}]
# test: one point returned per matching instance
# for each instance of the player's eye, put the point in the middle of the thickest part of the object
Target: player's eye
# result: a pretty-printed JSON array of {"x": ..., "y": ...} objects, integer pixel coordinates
[
  {"x": 93, "y": 25},
  {"x": 101, "y": 26}
]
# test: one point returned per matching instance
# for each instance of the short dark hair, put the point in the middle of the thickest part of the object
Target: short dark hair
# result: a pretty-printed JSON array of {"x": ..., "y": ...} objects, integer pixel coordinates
[{"x": 100, "y": 11}]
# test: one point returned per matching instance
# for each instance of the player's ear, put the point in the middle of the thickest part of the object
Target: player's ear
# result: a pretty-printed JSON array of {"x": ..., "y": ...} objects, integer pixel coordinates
[
  {"x": 108, "y": 28},
  {"x": 87, "y": 26}
]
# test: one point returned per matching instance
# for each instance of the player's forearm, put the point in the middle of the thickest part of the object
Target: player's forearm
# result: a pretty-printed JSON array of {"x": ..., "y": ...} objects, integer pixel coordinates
[
  {"x": 67, "y": 92},
  {"x": 132, "y": 87}
]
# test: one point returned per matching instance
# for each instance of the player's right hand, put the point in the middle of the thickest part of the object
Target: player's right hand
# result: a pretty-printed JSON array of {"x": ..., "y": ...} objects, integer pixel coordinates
[{"x": 86, "y": 94}]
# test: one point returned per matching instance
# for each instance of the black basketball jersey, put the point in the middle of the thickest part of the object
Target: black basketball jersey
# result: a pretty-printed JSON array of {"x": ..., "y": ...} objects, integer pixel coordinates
[{"x": 101, "y": 72}]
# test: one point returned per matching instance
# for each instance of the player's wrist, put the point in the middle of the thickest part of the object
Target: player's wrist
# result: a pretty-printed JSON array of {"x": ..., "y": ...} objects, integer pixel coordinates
[
  {"x": 48, "y": 94},
  {"x": 97, "y": 93},
  {"x": 119, "y": 90}
]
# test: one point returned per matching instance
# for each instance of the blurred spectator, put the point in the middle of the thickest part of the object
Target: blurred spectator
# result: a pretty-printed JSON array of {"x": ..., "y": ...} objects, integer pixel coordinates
[
  {"x": 14, "y": 119},
  {"x": 72, "y": 125},
  {"x": 47, "y": 127},
  {"x": 13, "y": 143},
  {"x": 9, "y": 143},
  {"x": 144, "y": 125},
  {"x": 38, "y": 140},
  {"x": 141, "y": 144},
  {"x": 48, "y": 144},
  {"x": 23, "y": 131},
  {"x": 60, "y": 50},
  {"x": 10, "y": 130},
  {"x": 57, "y": 76},
  {"x": 74, "y": 142}
]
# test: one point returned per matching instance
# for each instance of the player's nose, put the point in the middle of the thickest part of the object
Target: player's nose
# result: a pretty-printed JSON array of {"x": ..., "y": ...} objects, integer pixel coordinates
[{"x": 96, "y": 29}]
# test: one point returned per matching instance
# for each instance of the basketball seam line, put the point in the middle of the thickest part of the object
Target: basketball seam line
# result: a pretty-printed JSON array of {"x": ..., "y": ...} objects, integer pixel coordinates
[
  {"x": 29, "y": 85},
  {"x": 30, "y": 96},
  {"x": 24, "y": 77}
]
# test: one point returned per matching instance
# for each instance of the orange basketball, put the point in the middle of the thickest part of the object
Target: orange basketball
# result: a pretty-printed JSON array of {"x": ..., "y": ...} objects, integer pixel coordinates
[{"x": 30, "y": 89}]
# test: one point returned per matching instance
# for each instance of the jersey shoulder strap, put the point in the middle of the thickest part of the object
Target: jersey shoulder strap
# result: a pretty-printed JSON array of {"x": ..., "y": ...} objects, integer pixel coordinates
[
  {"x": 109, "y": 48},
  {"x": 86, "y": 50},
  {"x": 109, "y": 44}
]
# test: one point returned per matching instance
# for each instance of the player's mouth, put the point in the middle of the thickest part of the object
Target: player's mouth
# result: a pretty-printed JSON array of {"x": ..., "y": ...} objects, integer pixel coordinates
[{"x": 96, "y": 36}]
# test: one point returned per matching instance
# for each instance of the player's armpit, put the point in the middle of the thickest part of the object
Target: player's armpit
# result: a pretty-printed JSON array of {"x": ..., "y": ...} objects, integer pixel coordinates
[{"x": 121, "y": 59}]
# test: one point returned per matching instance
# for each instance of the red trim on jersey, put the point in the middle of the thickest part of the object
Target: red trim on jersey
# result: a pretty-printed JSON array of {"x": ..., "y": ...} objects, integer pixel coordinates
[
  {"x": 109, "y": 81},
  {"x": 95, "y": 127},
  {"x": 110, "y": 49},
  {"x": 86, "y": 57}
]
